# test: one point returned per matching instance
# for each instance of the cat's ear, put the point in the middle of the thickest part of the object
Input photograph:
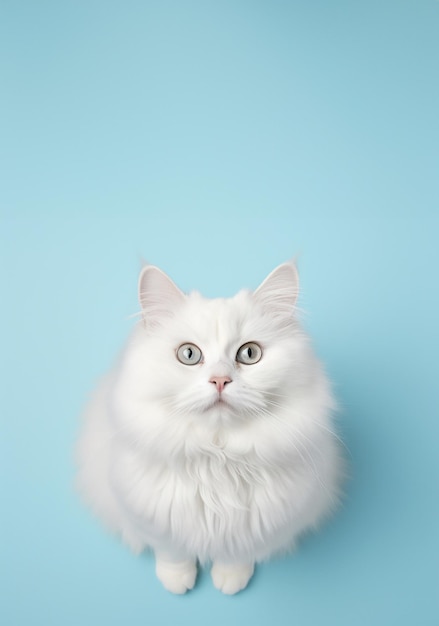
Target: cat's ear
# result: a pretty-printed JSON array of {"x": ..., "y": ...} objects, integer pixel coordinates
[
  {"x": 279, "y": 291},
  {"x": 159, "y": 297}
]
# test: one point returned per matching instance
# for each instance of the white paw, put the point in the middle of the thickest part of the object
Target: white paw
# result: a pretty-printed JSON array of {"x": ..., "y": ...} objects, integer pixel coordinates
[
  {"x": 231, "y": 578},
  {"x": 176, "y": 577}
]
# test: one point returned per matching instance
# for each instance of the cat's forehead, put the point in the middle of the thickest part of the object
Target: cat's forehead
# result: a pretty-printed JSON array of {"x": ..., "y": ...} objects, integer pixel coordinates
[
  {"x": 219, "y": 319},
  {"x": 211, "y": 311}
]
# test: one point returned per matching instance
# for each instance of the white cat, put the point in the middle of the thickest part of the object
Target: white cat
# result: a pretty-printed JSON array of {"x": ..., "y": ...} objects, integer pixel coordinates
[{"x": 211, "y": 440}]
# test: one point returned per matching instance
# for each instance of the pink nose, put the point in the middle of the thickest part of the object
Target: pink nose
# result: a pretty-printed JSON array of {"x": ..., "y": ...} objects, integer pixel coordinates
[{"x": 220, "y": 382}]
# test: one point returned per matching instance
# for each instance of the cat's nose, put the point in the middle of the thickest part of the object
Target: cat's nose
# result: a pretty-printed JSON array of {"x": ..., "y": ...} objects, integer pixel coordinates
[{"x": 220, "y": 382}]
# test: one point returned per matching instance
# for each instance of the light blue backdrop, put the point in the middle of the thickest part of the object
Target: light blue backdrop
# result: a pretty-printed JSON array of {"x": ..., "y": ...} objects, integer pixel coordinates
[{"x": 218, "y": 139}]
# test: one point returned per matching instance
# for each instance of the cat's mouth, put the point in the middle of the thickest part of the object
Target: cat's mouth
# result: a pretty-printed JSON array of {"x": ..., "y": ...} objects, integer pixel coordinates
[{"x": 219, "y": 401}]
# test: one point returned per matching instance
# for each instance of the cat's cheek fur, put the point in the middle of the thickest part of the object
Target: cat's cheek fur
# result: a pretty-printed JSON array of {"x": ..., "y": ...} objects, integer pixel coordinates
[{"x": 232, "y": 484}]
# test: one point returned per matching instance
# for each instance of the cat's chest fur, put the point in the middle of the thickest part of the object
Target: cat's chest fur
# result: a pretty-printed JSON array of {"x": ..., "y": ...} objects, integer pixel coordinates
[{"x": 213, "y": 501}]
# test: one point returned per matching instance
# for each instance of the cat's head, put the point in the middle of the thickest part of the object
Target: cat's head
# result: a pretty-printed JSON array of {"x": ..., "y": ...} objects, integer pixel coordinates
[{"x": 220, "y": 358}]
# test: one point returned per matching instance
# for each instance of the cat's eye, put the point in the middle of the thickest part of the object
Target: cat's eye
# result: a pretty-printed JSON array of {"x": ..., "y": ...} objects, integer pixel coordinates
[
  {"x": 249, "y": 353},
  {"x": 189, "y": 354}
]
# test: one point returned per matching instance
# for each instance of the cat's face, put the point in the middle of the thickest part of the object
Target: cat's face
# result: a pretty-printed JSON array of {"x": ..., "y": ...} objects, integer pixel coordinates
[{"x": 228, "y": 358}]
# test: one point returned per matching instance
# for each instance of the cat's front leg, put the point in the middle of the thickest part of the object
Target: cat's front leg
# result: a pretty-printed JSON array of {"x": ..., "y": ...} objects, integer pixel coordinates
[
  {"x": 231, "y": 578},
  {"x": 176, "y": 575}
]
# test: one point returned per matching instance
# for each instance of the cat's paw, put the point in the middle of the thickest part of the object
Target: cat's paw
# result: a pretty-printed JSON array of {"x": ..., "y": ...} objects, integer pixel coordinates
[
  {"x": 176, "y": 577},
  {"x": 231, "y": 578}
]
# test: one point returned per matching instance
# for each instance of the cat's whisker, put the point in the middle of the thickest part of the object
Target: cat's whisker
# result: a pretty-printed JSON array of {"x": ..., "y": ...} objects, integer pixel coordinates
[
  {"x": 334, "y": 434},
  {"x": 138, "y": 314},
  {"x": 317, "y": 422},
  {"x": 312, "y": 464}
]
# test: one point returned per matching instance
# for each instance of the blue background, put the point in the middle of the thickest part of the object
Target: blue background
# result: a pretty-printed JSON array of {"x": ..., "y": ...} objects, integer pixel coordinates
[{"x": 218, "y": 139}]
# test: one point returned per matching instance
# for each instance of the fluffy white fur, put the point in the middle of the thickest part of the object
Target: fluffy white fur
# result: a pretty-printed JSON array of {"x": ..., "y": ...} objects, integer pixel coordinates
[{"x": 168, "y": 467}]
